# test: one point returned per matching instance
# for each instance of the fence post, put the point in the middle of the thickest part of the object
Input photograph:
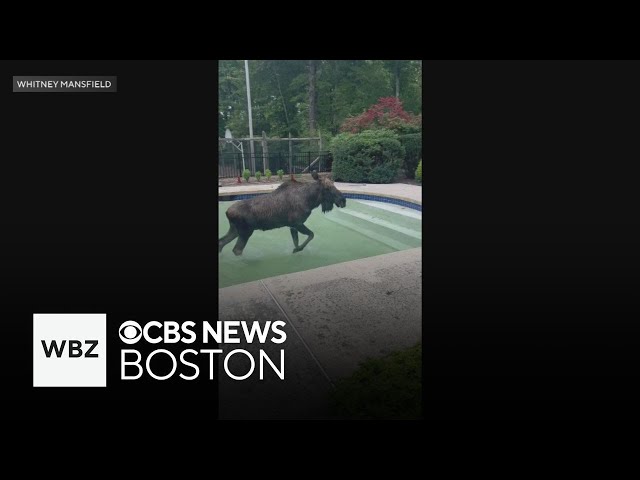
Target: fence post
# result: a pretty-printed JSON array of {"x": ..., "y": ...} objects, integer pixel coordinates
[
  {"x": 290, "y": 156},
  {"x": 265, "y": 152}
]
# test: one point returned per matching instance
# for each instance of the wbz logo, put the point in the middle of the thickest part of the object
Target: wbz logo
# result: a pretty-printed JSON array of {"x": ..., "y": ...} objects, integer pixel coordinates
[
  {"x": 75, "y": 348},
  {"x": 69, "y": 350}
]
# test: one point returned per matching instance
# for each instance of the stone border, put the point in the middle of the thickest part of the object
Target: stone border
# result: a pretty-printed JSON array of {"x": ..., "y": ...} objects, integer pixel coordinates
[{"x": 375, "y": 195}]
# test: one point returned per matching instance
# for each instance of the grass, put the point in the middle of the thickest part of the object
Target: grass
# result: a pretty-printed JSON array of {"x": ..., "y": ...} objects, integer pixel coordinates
[{"x": 387, "y": 388}]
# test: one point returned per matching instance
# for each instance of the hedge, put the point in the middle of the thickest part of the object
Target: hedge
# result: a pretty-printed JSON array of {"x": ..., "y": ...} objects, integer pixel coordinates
[
  {"x": 413, "y": 151},
  {"x": 372, "y": 156}
]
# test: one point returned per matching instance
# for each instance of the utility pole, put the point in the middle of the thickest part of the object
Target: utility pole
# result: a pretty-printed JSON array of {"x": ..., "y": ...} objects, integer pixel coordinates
[{"x": 252, "y": 149}]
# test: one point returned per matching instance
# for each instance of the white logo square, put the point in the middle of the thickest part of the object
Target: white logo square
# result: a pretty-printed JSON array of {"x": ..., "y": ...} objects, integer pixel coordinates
[{"x": 70, "y": 350}]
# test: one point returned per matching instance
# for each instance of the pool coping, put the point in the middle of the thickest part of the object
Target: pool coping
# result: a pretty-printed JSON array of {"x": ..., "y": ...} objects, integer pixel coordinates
[{"x": 356, "y": 195}]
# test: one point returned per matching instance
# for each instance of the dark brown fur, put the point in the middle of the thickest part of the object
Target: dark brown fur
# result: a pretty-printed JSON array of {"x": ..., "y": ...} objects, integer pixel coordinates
[{"x": 288, "y": 206}]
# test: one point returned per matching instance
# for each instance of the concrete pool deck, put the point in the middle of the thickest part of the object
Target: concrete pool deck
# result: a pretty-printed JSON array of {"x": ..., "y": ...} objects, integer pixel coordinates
[
  {"x": 336, "y": 317},
  {"x": 402, "y": 191}
]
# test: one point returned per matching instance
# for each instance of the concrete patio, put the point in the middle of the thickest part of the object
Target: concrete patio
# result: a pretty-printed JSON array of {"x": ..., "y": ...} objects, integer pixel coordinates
[{"x": 336, "y": 317}]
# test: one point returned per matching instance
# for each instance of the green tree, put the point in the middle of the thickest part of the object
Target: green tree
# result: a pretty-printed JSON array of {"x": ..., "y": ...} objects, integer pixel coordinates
[
  {"x": 406, "y": 83},
  {"x": 232, "y": 97},
  {"x": 303, "y": 96}
]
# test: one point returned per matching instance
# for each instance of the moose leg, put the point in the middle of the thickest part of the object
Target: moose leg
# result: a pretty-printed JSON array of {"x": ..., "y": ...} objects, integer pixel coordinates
[
  {"x": 294, "y": 235},
  {"x": 305, "y": 231},
  {"x": 242, "y": 241},
  {"x": 231, "y": 234}
]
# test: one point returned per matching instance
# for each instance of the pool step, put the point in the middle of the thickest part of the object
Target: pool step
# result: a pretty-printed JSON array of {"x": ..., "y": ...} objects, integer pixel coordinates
[
  {"x": 390, "y": 207},
  {"x": 384, "y": 223},
  {"x": 382, "y": 212},
  {"x": 395, "y": 237}
]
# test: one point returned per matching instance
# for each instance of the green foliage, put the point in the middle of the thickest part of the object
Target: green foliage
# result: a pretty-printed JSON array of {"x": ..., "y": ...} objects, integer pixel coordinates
[
  {"x": 246, "y": 174},
  {"x": 419, "y": 172},
  {"x": 384, "y": 388},
  {"x": 267, "y": 173},
  {"x": 413, "y": 151},
  {"x": 280, "y": 99},
  {"x": 403, "y": 128},
  {"x": 382, "y": 174},
  {"x": 371, "y": 156},
  {"x": 410, "y": 75},
  {"x": 258, "y": 175},
  {"x": 232, "y": 94},
  {"x": 280, "y": 174}
]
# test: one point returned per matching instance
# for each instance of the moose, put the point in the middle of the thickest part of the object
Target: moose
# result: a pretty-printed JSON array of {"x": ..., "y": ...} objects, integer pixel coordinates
[{"x": 288, "y": 206}]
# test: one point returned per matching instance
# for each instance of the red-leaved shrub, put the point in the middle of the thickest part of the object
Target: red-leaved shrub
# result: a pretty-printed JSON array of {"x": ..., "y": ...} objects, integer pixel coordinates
[{"x": 387, "y": 113}]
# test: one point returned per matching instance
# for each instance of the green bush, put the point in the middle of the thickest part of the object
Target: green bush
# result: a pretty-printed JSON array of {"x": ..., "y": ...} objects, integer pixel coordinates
[
  {"x": 382, "y": 174},
  {"x": 371, "y": 156},
  {"x": 419, "y": 171},
  {"x": 258, "y": 175},
  {"x": 413, "y": 151},
  {"x": 280, "y": 174},
  {"x": 267, "y": 173},
  {"x": 246, "y": 174},
  {"x": 409, "y": 129}
]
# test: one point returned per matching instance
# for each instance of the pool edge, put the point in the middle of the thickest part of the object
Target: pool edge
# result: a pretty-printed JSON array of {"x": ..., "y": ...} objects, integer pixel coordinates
[{"x": 356, "y": 195}]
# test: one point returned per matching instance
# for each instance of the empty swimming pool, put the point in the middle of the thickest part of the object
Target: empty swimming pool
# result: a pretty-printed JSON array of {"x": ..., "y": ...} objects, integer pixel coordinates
[{"x": 364, "y": 228}]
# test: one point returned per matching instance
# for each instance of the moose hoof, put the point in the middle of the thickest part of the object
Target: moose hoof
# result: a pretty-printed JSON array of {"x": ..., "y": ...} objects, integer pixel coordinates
[
  {"x": 297, "y": 249},
  {"x": 237, "y": 252}
]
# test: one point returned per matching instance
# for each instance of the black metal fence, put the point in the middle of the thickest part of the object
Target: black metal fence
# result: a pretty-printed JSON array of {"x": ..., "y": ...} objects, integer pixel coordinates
[{"x": 231, "y": 165}]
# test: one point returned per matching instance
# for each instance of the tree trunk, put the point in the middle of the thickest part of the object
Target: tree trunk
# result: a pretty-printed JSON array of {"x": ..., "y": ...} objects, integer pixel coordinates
[{"x": 313, "y": 99}]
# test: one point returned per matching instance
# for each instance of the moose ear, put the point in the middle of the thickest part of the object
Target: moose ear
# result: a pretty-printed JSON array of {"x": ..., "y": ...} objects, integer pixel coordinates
[{"x": 314, "y": 174}]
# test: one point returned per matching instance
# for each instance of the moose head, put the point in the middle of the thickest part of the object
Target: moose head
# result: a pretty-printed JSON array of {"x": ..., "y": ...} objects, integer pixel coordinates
[{"x": 329, "y": 194}]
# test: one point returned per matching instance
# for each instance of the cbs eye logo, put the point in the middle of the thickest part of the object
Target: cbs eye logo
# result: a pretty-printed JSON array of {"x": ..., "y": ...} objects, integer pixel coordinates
[{"x": 130, "y": 332}]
